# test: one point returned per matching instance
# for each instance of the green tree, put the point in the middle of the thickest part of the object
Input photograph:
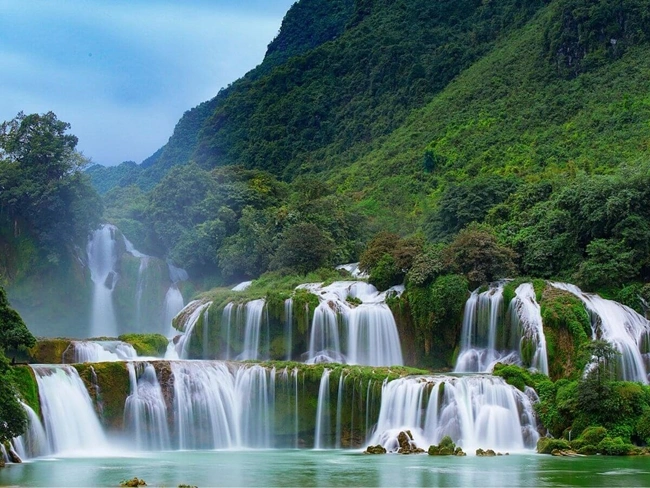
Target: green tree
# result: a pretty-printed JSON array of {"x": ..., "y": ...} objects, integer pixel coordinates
[
  {"x": 14, "y": 333},
  {"x": 42, "y": 187},
  {"x": 303, "y": 247},
  {"x": 476, "y": 253}
]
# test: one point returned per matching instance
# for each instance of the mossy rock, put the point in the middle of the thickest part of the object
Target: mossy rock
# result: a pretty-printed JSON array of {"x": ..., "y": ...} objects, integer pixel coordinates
[
  {"x": 48, "y": 351},
  {"x": 108, "y": 385},
  {"x": 27, "y": 386},
  {"x": 546, "y": 445},
  {"x": 147, "y": 344}
]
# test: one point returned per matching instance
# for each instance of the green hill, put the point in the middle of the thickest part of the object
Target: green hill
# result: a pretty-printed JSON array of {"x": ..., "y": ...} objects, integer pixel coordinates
[{"x": 425, "y": 116}]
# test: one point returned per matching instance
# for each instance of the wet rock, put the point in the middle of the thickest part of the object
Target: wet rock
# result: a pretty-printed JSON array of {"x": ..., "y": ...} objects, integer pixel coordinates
[
  {"x": 13, "y": 456},
  {"x": 406, "y": 444},
  {"x": 135, "y": 482},
  {"x": 378, "y": 449},
  {"x": 565, "y": 453},
  {"x": 486, "y": 453},
  {"x": 446, "y": 448}
]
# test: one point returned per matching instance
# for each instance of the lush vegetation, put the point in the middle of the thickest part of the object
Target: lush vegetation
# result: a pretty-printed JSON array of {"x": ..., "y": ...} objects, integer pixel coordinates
[{"x": 13, "y": 334}]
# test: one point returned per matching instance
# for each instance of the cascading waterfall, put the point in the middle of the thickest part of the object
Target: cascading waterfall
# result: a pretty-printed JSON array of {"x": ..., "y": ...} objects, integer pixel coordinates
[
  {"x": 369, "y": 330},
  {"x": 216, "y": 408},
  {"x": 145, "y": 412},
  {"x": 33, "y": 442},
  {"x": 490, "y": 335},
  {"x": 247, "y": 334},
  {"x": 98, "y": 351},
  {"x": 483, "y": 313},
  {"x": 195, "y": 309},
  {"x": 475, "y": 411},
  {"x": 526, "y": 320},
  {"x": 324, "y": 342},
  {"x": 71, "y": 423},
  {"x": 254, "y": 316},
  {"x": 621, "y": 326},
  {"x": 323, "y": 421},
  {"x": 102, "y": 258}
]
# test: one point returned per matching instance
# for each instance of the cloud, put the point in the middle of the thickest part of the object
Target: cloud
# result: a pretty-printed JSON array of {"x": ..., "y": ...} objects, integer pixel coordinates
[{"x": 122, "y": 73}]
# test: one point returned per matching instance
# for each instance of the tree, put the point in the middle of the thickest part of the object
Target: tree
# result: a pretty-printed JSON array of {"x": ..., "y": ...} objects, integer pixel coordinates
[
  {"x": 42, "y": 186},
  {"x": 303, "y": 247},
  {"x": 476, "y": 253},
  {"x": 14, "y": 333}
]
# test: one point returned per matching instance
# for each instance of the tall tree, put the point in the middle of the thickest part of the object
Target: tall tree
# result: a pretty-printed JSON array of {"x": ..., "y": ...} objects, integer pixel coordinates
[{"x": 42, "y": 187}]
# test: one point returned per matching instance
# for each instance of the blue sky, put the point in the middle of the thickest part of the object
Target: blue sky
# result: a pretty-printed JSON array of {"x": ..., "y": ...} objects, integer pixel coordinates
[{"x": 122, "y": 72}]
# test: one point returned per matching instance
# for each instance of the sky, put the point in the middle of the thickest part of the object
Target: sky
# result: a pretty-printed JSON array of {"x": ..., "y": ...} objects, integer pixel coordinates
[{"x": 123, "y": 72}]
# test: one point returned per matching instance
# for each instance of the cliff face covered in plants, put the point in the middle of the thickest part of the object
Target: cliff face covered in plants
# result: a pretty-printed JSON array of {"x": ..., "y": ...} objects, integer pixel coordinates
[{"x": 420, "y": 118}]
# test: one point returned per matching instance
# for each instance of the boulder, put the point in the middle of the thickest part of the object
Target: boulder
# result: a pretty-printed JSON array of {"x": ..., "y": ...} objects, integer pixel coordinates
[
  {"x": 487, "y": 453},
  {"x": 378, "y": 449}
]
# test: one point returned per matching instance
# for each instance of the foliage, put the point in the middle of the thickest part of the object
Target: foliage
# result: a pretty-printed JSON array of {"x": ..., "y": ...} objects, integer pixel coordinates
[
  {"x": 567, "y": 328},
  {"x": 476, "y": 253},
  {"x": 13, "y": 419},
  {"x": 436, "y": 311},
  {"x": 303, "y": 247},
  {"x": 147, "y": 344},
  {"x": 13, "y": 331},
  {"x": 44, "y": 193}
]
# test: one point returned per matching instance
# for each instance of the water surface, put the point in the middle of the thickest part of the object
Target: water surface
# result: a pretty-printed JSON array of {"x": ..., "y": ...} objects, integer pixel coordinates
[{"x": 328, "y": 468}]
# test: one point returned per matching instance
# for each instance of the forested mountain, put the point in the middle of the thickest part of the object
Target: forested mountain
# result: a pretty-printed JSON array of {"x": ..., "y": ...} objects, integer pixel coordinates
[{"x": 419, "y": 118}]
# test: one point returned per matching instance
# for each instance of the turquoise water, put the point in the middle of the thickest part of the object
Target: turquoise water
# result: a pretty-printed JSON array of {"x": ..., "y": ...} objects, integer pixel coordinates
[{"x": 328, "y": 468}]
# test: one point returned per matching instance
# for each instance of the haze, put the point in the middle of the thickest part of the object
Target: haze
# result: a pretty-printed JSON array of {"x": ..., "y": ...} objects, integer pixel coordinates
[{"x": 123, "y": 72}]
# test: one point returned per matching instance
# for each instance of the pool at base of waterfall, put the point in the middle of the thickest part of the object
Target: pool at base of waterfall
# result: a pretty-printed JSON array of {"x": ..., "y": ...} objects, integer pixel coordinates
[{"x": 275, "y": 467}]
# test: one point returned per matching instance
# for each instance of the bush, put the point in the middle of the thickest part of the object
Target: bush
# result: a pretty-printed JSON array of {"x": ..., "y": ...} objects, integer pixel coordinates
[
  {"x": 593, "y": 435},
  {"x": 547, "y": 445},
  {"x": 614, "y": 447}
]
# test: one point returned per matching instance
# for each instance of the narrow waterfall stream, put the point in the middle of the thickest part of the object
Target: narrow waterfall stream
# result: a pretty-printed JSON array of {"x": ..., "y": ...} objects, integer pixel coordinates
[{"x": 102, "y": 258}]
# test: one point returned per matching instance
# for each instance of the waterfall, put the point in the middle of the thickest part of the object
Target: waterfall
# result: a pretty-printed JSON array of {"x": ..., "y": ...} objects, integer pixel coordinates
[
  {"x": 145, "y": 412},
  {"x": 172, "y": 305},
  {"x": 174, "y": 301},
  {"x": 475, "y": 411},
  {"x": 372, "y": 336},
  {"x": 526, "y": 320},
  {"x": 288, "y": 328},
  {"x": 246, "y": 330},
  {"x": 226, "y": 318},
  {"x": 252, "y": 331},
  {"x": 323, "y": 421},
  {"x": 98, "y": 351},
  {"x": 33, "y": 442},
  {"x": 194, "y": 311},
  {"x": 216, "y": 408},
  {"x": 102, "y": 258},
  {"x": 324, "y": 343},
  {"x": 255, "y": 389},
  {"x": 339, "y": 410},
  {"x": 71, "y": 423},
  {"x": 481, "y": 344},
  {"x": 619, "y": 325},
  {"x": 366, "y": 327}
]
